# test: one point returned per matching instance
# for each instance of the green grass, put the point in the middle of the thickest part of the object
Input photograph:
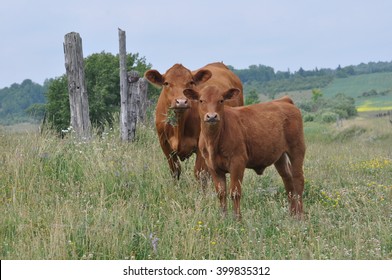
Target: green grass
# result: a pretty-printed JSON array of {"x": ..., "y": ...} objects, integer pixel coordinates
[
  {"x": 355, "y": 86},
  {"x": 380, "y": 103},
  {"x": 63, "y": 199}
]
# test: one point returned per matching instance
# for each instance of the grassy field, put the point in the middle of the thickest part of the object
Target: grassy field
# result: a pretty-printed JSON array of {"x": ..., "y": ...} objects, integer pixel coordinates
[{"x": 64, "y": 199}]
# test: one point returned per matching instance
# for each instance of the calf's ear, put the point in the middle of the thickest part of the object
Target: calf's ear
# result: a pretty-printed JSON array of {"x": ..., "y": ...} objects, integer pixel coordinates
[
  {"x": 191, "y": 94},
  {"x": 154, "y": 77},
  {"x": 202, "y": 76},
  {"x": 231, "y": 93}
]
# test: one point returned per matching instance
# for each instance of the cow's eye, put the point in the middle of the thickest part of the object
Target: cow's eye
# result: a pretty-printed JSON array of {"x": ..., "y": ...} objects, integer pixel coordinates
[
  {"x": 192, "y": 83},
  {"x": 221, "y": 101},
  {"x": 165, "y": 84},
  {"x": 201, "y": 101}
]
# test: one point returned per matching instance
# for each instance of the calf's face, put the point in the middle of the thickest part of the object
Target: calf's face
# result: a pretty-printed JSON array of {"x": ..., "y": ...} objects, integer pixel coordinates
[{"x": 211, "y": 102}]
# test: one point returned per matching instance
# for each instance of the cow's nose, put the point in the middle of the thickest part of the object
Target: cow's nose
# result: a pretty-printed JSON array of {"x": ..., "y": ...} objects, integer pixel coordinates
[
  {"x": 211, "y": 117},
  {"x": 181, "y": 103}
]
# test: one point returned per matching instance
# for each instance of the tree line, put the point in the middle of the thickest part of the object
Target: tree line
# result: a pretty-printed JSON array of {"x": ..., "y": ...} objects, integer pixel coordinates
[
  {"x": 267, "y": 81},
  {"x": 262, "y": 73},
  {"x": 22, "y": 102}
]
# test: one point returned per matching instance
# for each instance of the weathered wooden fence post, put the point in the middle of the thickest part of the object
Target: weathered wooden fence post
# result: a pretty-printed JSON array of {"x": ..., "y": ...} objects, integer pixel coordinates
[
  {"x": 137, "y": 96},
  {"x": 78, "y": 97},
  {"x": 142, "y": 100},
  {"x": 124, "y": 126},
  {"x": 132, "y": 108},
  {"x": 133, "y": 92}
]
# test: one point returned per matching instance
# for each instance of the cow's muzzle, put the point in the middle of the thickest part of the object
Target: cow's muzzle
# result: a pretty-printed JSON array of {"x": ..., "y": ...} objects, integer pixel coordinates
[
  {"x": 180, "y": 104},
  {"x": 211, "y": 118}
]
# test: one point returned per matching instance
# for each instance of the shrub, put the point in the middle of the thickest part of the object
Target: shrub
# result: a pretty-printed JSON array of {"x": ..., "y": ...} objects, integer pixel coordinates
[
  {"x": 308, "y": 117},
  {"x": 305, "y": 105},
  {"x": 252, "y": 97},
  {"x": 341, "y": 113},
  {"x": 329, "y": 117},
  {"x": 343, "y": 103}
]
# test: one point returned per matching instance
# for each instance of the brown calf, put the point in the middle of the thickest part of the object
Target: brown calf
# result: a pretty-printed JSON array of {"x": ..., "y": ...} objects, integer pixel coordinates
[{"x": 254, "y": 137}]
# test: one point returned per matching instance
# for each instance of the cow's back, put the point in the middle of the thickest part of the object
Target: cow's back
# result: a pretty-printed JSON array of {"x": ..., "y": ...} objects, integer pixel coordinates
[
  {"x": 269, "y": 124},
  {"x": 282, "y": 110}
]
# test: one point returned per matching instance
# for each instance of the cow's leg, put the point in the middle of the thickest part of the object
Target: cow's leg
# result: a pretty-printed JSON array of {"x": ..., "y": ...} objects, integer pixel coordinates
[
  {"x": 201, "y": 170},
  {"x": 298, "y": 185},
  {"x": 236, "y": 176},
  {"x": 285, "y": 170},
  {"x": 220, "y": 187},
  {"x": 172, "y": 159},
  {"x": 174, "y": 165}
]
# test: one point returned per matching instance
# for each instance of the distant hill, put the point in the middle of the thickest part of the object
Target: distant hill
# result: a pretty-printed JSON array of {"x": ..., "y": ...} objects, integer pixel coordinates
[
  {"x": 371, "y": 92},
  {"x": 369, "y": 84}
]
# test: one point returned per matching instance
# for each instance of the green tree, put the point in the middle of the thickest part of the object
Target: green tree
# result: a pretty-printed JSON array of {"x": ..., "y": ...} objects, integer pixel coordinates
[
  {"x": 316, "y": 94},
  {"x": 36, "y": 111},
  {"x": 57, "y": 109},
  {"x": 260, "y": 73},
  {"x": 103, "y": 87},
  {"x": 252, "y": 97},
  {"x": 343, "y": 105}
]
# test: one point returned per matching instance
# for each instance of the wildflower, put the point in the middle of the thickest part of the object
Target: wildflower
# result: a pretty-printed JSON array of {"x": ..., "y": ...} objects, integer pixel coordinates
[{"x": 213, "y": 242}]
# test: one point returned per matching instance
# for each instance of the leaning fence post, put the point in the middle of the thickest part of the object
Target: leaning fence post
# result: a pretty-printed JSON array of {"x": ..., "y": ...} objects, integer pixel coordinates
[{"x": 78, "y": 97}]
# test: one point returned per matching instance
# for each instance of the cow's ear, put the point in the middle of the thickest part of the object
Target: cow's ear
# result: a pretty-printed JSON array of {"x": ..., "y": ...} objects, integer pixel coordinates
[
  {"x": 231, "y": 93},
  {"x": 154, "y": 77},
  {"x": 191, "y": 94},
  {"x": 202, "y": 76}
]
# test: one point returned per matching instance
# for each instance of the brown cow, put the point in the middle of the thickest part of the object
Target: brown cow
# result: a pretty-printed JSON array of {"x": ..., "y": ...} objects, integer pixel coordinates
[
  {"x": 255, "y": 137},
  {"x": 176, "y": 119}
]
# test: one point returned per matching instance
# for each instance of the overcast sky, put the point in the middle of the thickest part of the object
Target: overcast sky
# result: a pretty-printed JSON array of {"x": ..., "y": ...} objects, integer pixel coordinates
[{"x": 284, "y": 34}]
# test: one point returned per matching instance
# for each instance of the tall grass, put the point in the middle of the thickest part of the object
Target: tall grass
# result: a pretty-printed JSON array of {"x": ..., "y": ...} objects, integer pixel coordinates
[{"x": 64, "y": 199}]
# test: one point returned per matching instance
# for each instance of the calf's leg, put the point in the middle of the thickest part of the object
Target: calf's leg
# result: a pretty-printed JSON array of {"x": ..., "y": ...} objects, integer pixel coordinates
[
  {"x": 219, "y": 180},
  {"x": 236, "y": 176},
  {"x": 201, "y": 170}
]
